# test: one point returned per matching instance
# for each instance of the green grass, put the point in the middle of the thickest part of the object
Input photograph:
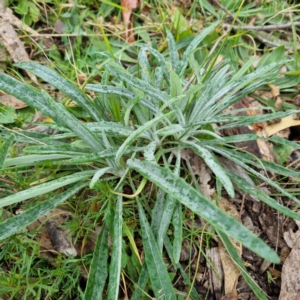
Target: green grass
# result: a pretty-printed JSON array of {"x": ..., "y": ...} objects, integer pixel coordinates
[{"x": 115, "y": 160}]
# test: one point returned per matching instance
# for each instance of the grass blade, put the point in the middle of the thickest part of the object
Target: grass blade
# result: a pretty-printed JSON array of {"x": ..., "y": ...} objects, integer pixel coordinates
[{"x": 191, "y": 198}]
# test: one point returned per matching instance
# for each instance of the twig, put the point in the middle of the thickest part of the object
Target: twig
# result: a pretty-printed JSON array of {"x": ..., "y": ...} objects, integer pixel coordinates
[
  {"x": 227, "y": 11},
  {"x": 262, "y": 28},
  {"x": 257, "y": 36}
]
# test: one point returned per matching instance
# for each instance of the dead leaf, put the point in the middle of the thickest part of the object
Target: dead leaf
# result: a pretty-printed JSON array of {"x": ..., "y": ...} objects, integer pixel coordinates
[
  {"x": 230, "y": 296},
  {"x": 11, "y": 40},
  {"x": 52, "y": 235},
  {"x": 290, "y": 275},
  {"x": 7, "y": 15},
  {"x": 215, "y": 271},
  {"x": 286, "y": 122},
  {"x": 278, "y": 103},
  {"x": 260, "y": 148},
  {"x": 239, "y": 171},
  {"x": 12, "y": 101},
  {"x": 199, "y": 168},
  {"x": 249, "y": 146},
  {"x": 127, "y": 18},
  {"x": 296, "y": 100},
  {"x": 275, "y": 90},
  {"x": 230, "y": 270}
]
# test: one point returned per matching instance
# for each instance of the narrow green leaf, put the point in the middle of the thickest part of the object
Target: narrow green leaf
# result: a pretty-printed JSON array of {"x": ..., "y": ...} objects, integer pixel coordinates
[
  {"x": 112, "y": 128},
  {"x": 160, "y": 60},
  {"x": 26, "y": 93},
  {"x": 280, "y": 140},
  {"x": 166, "y": 217},
  {"x": 245, "y": 67},
  {"x": 115, "y": 265},
  {"x": 45, "y": 188},
  {"x": 240, "y": 264},
  {"x": 142, "y": 282},
  {"x": 177, "y": 225},
  {"x": 108, "y": 153},
  {"x": 55, "y": 149},
  {"x": 173, "y": 51},
  {"x": 249, "y": 120},
  {"x": 33, "y": 159},
  {"x": 191, "y": 198},
  {"x": 259, "y": 194},
  {"x": 13, "y": 225},
  {"x": 99, "y": 174},
  {"x": 231, "y": 139},
  {"x": 145, "y": 67},
  {"x": 4, "y": 149},
  {"x": 137, "y": 133},
  {"x": 61, "y": 84},
  {"x": 138, "y": 83},
  {"x": 98, "y": 271},
  {"x": 175, "y": 85},
  {"x": 24, "y": 136},
  {"x": 161, "y": 284},
  {"x": 214, "y": 165},
  {"x": 239, "y": 159},
  {"x": 66, "y": 118},
  {"x": 107, "y": 89},
  {"x": 192, "y": 46}
]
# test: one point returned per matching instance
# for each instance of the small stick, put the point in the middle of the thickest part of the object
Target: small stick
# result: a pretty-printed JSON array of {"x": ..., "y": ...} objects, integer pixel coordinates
[
  {"x": 243, "y": 25},
  {"x": 263, "y": 28}
]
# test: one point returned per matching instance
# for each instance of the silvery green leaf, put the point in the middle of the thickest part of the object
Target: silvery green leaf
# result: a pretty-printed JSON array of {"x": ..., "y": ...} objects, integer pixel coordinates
[
  {"x": 137, "y": 133},
  {"x": 214, "y": 165},
  {"x": 187, "y": 195},
  {"x": 98, "y": 271},
  {"x": 99, "y": 174},
  {"x": 14, "y": 224},
  {"x": 161, "y": 283},
  {"x": 45, "y": 188},
  {"x": 61, "y": 84},
  {"x": 149, "y": 151},
  {"x": 4, "y": 150},
  {"x": 116, "y": 256},
  {"x": 170, "y": 130}
]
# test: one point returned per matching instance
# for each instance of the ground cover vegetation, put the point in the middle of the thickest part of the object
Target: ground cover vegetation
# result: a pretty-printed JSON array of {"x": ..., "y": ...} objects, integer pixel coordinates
[{"x": 142, "y": 144}]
